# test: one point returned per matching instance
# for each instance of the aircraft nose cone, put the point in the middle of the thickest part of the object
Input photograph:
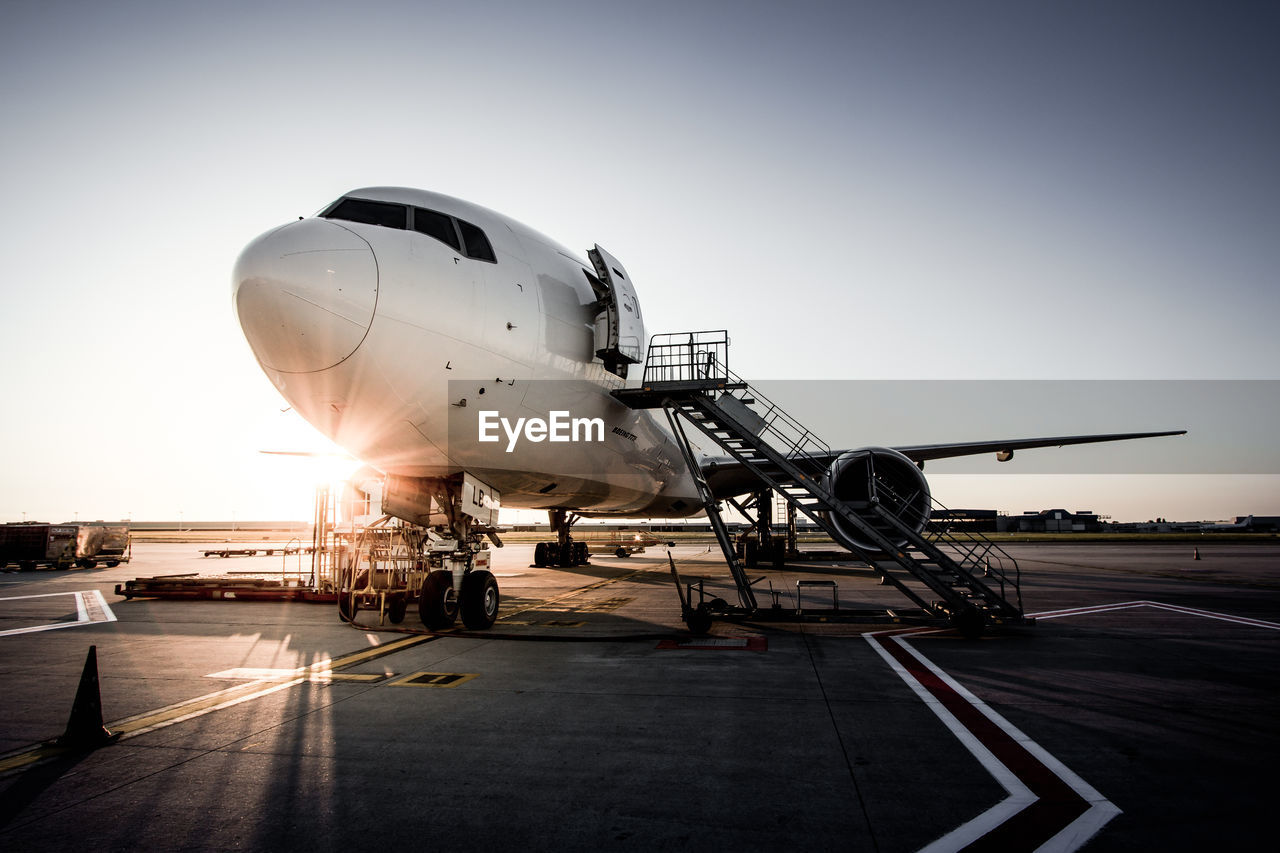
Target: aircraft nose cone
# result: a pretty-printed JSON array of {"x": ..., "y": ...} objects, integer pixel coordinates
[{"x": 305, "y": 294}]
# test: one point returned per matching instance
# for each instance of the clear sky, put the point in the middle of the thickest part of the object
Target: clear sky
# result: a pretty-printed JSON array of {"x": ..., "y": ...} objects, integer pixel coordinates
[{"x": 857, "y": 190}]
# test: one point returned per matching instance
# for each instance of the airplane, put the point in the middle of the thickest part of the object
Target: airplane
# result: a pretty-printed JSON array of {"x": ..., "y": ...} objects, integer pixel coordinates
[{"x": 469, "y": 361}]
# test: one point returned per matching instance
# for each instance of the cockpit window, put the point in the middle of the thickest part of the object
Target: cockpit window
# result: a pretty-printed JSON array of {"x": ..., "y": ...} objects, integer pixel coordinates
[
  {"x": 435, "y": 225},
  {"x": 382, "y": 213},
  {"x": 476, "y": 242}
]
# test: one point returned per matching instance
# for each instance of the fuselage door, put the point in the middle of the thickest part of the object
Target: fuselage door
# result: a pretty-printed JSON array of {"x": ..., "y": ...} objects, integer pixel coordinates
[{"x": 619, "y": 326}]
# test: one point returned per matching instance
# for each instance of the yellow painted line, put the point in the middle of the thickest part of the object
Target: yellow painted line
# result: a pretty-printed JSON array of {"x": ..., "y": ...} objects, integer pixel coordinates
[
  {"x": 541, "y": 604},
  {"x": 248, "y": 673},
  {"x": 161, "y": 717},
  {"x": 359, "y": 677},
  {"x": 433, "y": 679},
  {"x": 40, "y": 753}
]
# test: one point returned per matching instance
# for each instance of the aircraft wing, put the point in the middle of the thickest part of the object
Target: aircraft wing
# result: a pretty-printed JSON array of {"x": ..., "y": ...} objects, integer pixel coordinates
[
  {"x": 727, "y": 477},
  {"x": 924, "y": 452}
]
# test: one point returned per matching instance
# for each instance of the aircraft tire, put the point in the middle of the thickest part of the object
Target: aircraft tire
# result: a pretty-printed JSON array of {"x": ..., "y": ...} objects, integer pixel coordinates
[
  {"x": 347, "y": 604},
  {"x": 479, "y": 600},
  {"x": 540, "y": 554},
  {"x": 437, "y": 604},
  {"x": 396, "y": 608}
]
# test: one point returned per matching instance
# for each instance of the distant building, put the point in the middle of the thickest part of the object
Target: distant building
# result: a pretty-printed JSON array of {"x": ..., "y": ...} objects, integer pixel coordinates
[{"x": 1051, "y": 521}]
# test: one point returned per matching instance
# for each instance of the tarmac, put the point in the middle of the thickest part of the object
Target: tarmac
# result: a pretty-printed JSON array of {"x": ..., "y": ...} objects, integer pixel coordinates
[{"x": 1139, "y": 712}]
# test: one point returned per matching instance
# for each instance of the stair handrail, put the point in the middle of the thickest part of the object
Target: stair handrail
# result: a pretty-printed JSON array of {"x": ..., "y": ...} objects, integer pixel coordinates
[
  {"x": 795, "y": 437},
  {"x": 974, "y": 554}
]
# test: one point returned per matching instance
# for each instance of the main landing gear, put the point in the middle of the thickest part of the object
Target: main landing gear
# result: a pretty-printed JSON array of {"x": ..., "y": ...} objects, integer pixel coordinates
[{"x": 563, "y": 552}]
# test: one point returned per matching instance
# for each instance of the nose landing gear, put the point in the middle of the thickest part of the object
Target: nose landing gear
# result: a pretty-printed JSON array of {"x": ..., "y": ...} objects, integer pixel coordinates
[{"x": 443, "y": 568}]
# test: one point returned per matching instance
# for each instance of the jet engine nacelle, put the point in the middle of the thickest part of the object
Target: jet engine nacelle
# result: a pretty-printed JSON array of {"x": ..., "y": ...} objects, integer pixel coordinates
[{"x": 893, "y": 479}]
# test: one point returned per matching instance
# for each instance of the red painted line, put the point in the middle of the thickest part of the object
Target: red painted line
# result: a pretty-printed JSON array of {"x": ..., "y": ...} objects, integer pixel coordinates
[
  {"x": 1056, "y": 806},
  {"x": 1049, "y": 808}
]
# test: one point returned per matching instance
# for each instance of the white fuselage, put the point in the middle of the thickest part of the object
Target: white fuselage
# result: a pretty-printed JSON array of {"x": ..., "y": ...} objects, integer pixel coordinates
[{"x": 393, "y": 342}]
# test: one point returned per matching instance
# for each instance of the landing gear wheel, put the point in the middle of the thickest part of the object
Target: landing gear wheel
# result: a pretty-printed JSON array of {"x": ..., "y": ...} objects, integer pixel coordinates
[
  {"x": 347, "y": 606},
  {"x": 396, "y": 608},
  {"x": 438, "y": 603},
  {"x": 699, "y": 620},
  {"x": 540, "y": 554},
  {"x": 479, "y": 600},
  {"x": 565, "y": 556},
  {"x": 581, "y": 556},
  {"x": 969, "y": 623}
]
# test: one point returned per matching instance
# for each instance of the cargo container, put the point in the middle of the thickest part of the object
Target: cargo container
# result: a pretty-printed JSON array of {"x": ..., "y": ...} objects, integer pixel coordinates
[
  {"x": 31, "y": 544},
  {"x": 102, "y": 543}
]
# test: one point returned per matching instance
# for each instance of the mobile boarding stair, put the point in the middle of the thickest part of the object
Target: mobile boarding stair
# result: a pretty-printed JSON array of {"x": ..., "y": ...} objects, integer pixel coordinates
[{"x": 967, "y": 581}]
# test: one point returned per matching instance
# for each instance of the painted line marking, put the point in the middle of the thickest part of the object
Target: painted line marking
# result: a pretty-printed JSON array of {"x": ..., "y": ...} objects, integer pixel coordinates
[
  {"x": 1173, "y": 608},
  {"x": 1043, "y": 793},
  {"x": 433, "y": 679},
  {"x": 160, "y": 718},
  {"x": 91, "y": 608},
  {"x": 537, "y": 605},
  {"x": 324, "y": 676}
]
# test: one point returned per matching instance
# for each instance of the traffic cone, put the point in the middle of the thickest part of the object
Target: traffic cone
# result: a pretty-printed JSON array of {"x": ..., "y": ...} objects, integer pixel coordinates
[
  {"x": 85, "y": 730},
  {"x": 1195, "y": 553}
]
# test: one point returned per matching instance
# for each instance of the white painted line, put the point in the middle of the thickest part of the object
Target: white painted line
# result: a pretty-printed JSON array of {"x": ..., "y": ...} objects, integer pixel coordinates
[
  {"x": 1174, "y": 608},
  {"x": 91, "y": 608},
  {"x": 1099, "y": 811},
  {"x": 41, "y": 595},
  {"x": 1209, "y": 614},
  {"x": 106, "y": 608},
  {"x": 1019, "y": 795},
  {"x": 1068, "y": 839},
  {"x": 1082, "y": 611}
]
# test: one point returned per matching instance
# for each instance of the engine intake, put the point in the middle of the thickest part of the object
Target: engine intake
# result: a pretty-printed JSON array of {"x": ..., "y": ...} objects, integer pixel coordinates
[{"x": 893, "y": 479}]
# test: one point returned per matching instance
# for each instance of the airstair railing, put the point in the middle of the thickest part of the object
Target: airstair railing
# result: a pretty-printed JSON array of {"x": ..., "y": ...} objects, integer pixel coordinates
[
  {"x": 694, "y": 357},
  {"x": 688, "y": 357},
  {"x": 976, "y": 554}
]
